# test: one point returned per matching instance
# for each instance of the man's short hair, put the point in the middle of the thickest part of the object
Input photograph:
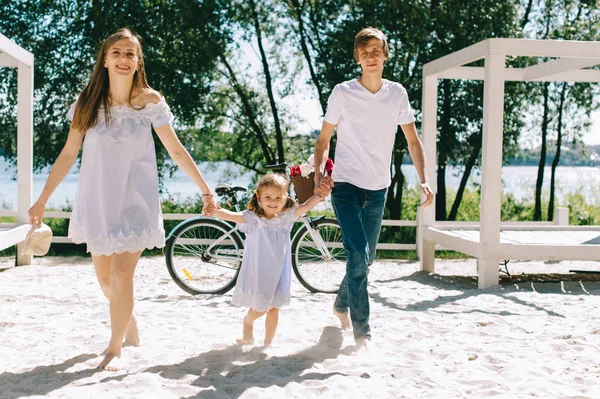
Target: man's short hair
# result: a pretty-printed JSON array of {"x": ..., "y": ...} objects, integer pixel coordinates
[{"x": 363, "y": 37}]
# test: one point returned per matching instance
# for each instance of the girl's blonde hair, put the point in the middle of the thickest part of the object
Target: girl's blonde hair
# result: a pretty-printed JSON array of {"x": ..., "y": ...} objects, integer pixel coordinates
[
  {"x": 95, "y": 95},
  {"x": 270, "y": 180}
]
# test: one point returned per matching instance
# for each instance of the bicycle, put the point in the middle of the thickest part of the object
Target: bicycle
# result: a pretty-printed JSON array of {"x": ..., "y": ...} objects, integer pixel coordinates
[{"x": 204, "y": 255}]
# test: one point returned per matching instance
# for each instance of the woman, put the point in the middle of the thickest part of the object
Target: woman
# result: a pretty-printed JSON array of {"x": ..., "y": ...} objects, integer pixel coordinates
[{"x": 116, "y": 211}]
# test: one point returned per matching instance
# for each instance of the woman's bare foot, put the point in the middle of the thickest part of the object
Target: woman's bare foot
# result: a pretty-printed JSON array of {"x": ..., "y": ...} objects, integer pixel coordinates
[
  {"x": 248, "y": 331},
  {"x": 108, "y": 357},
  {"x": 344, "y": 319},
  {"x": 132, "y": 336}
]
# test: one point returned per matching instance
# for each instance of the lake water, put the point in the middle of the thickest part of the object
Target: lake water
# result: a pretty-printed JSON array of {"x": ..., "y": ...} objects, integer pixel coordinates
[{"x": 519, "y": 180}]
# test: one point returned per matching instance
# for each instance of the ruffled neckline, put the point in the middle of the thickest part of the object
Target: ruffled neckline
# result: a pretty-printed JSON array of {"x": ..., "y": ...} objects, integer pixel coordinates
[
  {"x": 280, "y": 220},
  {"x": 123, "y": 111}
]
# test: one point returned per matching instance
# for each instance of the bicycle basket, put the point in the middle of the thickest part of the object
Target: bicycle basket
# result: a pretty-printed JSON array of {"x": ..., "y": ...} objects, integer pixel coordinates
[{"x": 304, "y": 187}]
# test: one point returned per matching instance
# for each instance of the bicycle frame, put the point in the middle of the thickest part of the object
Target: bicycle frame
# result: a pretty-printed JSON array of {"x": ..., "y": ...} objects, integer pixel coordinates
[
  {"x": 212, "y": 243},
  {"x": 318, "y": 240},
  {"x": 308, "y": 222}
]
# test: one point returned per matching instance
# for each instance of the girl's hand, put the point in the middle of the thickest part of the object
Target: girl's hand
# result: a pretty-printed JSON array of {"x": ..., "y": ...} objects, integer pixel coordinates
[
  {"x": 324, "y": 188},
  {"x": 36, "y": 212}
]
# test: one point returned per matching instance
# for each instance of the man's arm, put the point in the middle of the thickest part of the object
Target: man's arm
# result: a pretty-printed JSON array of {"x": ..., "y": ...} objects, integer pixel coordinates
[
  {"x": 417, "y": 154},
  {"x": 321, "y": 152}
]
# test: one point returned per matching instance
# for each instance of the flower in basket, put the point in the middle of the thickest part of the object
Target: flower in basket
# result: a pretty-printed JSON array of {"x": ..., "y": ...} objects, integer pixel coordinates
[{"x": 308, "y": 167}]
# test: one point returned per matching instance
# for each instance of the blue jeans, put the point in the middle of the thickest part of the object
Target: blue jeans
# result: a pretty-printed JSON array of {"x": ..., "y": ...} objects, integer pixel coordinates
[{"x": 359, "y": 213}]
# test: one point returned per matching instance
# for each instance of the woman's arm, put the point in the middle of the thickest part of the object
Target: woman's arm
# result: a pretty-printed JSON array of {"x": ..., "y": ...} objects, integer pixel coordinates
[
  {"x": 61, "y": 167},
  {"x": 235, "y": 217},
  {"x": 182, "y": 158}
]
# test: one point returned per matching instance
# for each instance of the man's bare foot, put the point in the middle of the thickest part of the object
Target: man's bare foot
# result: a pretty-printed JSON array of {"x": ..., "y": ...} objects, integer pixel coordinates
[
  {"x": 363, "y": 344},
  {"x": 132, "y": 336},
  {"x": 104, "y": 363},
  {"x": 344, "y": 319},
  {"x": 248, "y": 331}
]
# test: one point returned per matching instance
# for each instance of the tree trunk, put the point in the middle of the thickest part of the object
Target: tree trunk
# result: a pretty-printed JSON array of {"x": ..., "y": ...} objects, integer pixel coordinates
[
  {"x": 465, "y": 178},
  {"x": 249, "y": 112},
  {"x": 265, "y": 64},
  {"x": 298, "y": 8},
  {"x": 445, "y": 137},
  {"x": 526, "y": 16},
  {"x": 557, "y": 155},
  {"x": 537, "y": 212}
]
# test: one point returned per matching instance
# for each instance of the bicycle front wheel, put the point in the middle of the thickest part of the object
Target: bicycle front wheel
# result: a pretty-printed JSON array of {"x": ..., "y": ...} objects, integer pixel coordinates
[
  {"x": 204, "y": 256},
  {"x": 318, "y": 256}
]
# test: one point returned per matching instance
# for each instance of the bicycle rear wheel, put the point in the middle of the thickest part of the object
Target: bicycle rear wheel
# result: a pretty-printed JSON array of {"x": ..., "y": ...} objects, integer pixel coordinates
[
  {"x": 317, "y": 269},
  {"x": 204, "y": 256}
]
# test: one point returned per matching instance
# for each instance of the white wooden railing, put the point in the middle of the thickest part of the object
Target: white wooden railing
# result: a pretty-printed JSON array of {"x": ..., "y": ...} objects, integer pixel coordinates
[{"x": 562, "y": 219}]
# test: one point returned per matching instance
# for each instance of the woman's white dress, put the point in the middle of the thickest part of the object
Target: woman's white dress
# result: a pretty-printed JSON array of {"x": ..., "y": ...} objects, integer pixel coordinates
[
  {"x": 117, "y": 208},
  {"x": 266, "y": 271}
]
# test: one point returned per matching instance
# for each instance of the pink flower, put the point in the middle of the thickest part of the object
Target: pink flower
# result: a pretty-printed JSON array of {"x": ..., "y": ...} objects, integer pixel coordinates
[{"x": 295, "y": 171}]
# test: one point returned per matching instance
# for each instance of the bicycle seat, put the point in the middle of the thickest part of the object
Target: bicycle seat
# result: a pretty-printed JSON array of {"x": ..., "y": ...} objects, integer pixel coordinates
[
  {"x": 226, "y": 189},
  {"x": 278, "y": 168}
]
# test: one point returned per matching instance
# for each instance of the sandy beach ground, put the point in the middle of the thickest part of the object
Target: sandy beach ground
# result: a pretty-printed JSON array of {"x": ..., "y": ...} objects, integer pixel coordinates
[{"x": 434, "y": 336}]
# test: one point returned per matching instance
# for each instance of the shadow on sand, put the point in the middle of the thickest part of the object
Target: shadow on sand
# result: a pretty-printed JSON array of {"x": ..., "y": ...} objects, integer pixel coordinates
[
  {"x": 462, "y": 287},
  {"x": 44, "y": 379},
  {"x": 229, "y": 372}
]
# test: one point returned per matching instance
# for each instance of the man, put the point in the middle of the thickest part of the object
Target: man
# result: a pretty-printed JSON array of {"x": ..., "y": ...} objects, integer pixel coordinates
[{"x": 366, "y": 112}]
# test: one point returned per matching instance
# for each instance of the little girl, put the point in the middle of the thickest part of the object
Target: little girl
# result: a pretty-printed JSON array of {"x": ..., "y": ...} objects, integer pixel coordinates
[{"x": 263, "y": 284}]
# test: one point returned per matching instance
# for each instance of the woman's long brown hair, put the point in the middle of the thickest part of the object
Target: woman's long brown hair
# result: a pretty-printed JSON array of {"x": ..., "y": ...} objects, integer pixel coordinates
[{"x": 95, "y": 95}]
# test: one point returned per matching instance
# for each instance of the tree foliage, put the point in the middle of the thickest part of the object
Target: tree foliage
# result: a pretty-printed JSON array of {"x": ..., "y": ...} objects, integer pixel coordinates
[{"x": 229, "y": 69}]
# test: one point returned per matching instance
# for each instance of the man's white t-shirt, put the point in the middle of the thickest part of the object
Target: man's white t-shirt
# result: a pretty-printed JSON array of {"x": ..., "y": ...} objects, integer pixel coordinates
[{"x": 366, "y": 128}]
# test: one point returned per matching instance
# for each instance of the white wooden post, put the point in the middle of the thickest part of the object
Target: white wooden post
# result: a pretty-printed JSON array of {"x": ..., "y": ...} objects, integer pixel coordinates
[
  {"x": 562, "y": 217},
  {"x": 426, "y": 216},
  {"x": 491, "y": 168},
  {"x": 24, "y": 148}
]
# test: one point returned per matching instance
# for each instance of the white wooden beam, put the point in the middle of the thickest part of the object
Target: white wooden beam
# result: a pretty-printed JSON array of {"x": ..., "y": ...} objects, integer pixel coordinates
[
  {"x": 578, "y": 75},
  {"x": 7, "y": 61},
  {"x": 546, "y": 48},
  {"x": 426, "y": 216},
  {"x": 491, "y": 168},
  {"x": 11, "y": 237},
  {"x": 13, "y": 50},
  {"x": 547, "y": 69},
  {"x": 491, "y": 159},
  {"x": 544, "y": 252},
  {"x": 456, "y": 59},
  {"x": 452, "y": 241},
  {"x": 518, "y": 74},
  {"x": 24, "y": 147}
]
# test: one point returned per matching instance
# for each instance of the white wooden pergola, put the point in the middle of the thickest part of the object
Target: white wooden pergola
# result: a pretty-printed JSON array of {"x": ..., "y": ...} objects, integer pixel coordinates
[
  {"x": 13, "y": 56},
  {"x": 489, "y": 240}
]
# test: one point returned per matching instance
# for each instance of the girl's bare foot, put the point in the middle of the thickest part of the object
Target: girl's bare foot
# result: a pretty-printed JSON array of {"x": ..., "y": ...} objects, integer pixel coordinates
[
  {"x": 248, "y": 331},
  {"x": 132, "y": 336},
  {"x": 344, "y": 319}
]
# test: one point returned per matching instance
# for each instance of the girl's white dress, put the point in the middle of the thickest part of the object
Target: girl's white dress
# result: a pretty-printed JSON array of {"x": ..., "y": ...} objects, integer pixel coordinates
[
  {"x": 266, "y": 271},
  {"x": 116, "y": 208}
]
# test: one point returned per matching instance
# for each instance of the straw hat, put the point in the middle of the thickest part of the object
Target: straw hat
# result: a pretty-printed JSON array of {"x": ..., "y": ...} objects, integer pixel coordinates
[{"x": 38, "y": 240}]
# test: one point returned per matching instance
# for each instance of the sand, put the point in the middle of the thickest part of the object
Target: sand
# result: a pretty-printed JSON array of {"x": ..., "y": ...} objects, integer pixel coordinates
[{"x": 434, "y": 336}]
